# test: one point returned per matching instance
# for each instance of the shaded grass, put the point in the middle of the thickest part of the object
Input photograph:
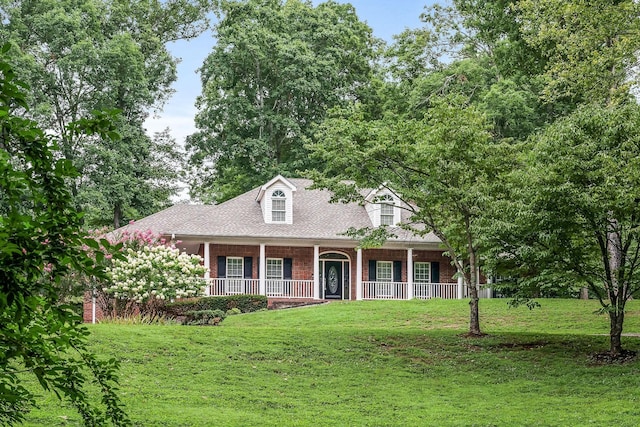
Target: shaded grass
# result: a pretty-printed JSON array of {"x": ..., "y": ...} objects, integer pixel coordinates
[{"x": 374, "y": 364}]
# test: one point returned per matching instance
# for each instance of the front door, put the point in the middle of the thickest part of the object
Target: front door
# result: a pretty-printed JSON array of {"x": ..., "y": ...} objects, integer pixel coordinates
[{"x": 333, "y": 279}]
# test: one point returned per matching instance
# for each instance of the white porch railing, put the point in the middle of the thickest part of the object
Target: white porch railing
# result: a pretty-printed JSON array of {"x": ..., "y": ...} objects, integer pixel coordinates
[
  {"x": 304, "y": 289},
  {"x": 290, "y": 288},
  {"x": 274, "y": 288},
  {"x": 398, "y": 290},
  {"x": 435, "y": 290},
  {"x": 228, "y": 286},
  {"x": 384, "y": 290}
]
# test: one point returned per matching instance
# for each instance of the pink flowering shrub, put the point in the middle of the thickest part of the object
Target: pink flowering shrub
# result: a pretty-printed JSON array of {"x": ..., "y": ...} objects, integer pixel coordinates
[
  {"x": 148, "y": 271},
  {"x": 151, "y": 275}
]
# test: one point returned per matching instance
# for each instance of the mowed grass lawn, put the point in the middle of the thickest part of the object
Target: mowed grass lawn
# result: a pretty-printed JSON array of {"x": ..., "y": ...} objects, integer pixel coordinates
[{"x": 373, "y": 363}]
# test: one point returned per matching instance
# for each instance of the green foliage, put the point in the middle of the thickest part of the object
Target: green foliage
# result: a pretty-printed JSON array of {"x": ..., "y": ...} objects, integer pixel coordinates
[
  {"x": 590, "y": 47},
  {"x": 574, "y": 208},
  {"x": 204, "y": 317},
  {"x": 82, "y": 55},
  {"x": 244, "y": 303},
  {"x": 444, "y": 167},
  {"x": 39, "y": 228},
  {"x": 276, "y": 68}
]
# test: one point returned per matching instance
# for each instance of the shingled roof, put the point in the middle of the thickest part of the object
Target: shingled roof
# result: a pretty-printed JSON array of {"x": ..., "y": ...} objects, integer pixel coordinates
[{"x": 315, "y": 219}]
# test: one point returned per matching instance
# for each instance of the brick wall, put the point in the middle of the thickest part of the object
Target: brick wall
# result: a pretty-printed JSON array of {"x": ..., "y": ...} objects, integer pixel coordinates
[{"x": 87, "y": 309}]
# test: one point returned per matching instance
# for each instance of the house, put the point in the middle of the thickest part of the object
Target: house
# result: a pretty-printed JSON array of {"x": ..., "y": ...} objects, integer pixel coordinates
[{"x": 286, "y": 241}]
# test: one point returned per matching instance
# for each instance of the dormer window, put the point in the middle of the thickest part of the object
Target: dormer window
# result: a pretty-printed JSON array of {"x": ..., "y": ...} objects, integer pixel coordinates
[
  {"x": 276, "y": 201},
  {"x": 383, "y": 207},
  {"x": 278, "y": 206},
  {"x": 387, "y": 210}
]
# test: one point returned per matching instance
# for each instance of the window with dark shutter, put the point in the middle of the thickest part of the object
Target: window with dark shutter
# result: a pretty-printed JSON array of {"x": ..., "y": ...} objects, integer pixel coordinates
[
  {"x": 372, "y": 270},
  {"x": 397, "y": 271},
  {"x": 288, "y": 269},
  {"x": 222, "y": 266},
  {"x": 435, "y": 272},
  {"x": 248, "y": 267}
]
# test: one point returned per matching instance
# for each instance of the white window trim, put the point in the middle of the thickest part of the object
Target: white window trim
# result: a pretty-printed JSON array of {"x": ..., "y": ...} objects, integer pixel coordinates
[
  {"x": 415, "y": 272},
  {"x": 278, "y": 196},
  {"x": 281, "y": 269},
  {"x": 241, "y": 276},
  {"x": 378, "y": 265}
]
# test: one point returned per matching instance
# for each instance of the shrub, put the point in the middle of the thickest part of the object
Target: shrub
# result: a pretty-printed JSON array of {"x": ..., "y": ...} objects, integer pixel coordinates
[
  {"x": 204, "y": 317},
  {"x": 151, "y": 275},
  {"x": 244, "y": 303},
  {"x": 234, "y": 310}
]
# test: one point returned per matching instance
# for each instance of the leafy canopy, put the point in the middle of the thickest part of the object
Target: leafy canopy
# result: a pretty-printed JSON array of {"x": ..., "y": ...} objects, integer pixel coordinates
[{"x": 39, "y": 229}]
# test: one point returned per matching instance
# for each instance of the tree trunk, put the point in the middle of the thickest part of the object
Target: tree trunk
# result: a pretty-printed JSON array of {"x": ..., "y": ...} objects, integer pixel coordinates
[
  {"x": 474, "y": 310},
  {"x": 117, "y": 215},
  {"x": 584, "y": 293},
  {"x": 615, "y": 289},
  {"x": 616, "y": 316}
]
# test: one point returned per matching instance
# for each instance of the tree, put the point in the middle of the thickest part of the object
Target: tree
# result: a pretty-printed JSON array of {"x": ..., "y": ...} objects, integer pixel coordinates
[
  {"x": 39, "y": 228},
  {"x": 442, "y": 167},
  {"x": 590, "y": 48},
  {"x": 275, "y": 70},
  {"x": 81, "y": 55},
  {"x": 577, "y": 214}
]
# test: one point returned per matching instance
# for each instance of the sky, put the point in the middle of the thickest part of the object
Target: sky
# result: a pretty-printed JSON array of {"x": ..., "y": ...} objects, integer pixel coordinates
[{"x": 385, "y": 17}]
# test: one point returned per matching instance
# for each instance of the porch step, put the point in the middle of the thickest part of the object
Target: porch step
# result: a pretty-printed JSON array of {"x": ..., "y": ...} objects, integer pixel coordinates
[{"x": 278, "y": 304}]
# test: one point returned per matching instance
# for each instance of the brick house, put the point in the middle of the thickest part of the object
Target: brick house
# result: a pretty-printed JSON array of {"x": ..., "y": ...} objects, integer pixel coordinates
[{"x": 286, "y": 241}]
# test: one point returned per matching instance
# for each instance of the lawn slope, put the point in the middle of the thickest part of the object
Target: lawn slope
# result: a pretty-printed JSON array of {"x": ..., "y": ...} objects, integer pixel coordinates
[{"x": 373, "y": 363}]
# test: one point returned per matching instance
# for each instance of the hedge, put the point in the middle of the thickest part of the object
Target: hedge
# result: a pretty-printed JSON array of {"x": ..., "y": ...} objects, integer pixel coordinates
[{"x": 245, "y": 303}]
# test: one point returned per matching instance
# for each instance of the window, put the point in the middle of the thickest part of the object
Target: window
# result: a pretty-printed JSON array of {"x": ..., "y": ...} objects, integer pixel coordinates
[
  {"x": 422, "y": 272},
  {"x": 386, "y": 210},
  {"x": 234, "y": 268},
  {"x": 274, "y": 276},
  {"x": 278, "y": 206},
  {"x": 274, "y": 268},
  {"x": 384, "y": 271},
  {"x": 235, "y": 273}
]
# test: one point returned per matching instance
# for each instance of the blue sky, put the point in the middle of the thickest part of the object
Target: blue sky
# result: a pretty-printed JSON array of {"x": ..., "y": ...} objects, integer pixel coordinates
[{"x": 385, "y": 17}]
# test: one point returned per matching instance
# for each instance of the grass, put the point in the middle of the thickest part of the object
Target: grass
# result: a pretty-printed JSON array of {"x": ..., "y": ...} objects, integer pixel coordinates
[{"x": 373, "y": 363}]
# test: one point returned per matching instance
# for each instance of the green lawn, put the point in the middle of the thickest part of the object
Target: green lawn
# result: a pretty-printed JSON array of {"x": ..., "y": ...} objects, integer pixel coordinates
[{"x": 374, "y": 363}]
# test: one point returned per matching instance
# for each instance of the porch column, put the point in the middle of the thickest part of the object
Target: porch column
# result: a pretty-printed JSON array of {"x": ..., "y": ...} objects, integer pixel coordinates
[
  {"x": 93, "y": 305},
  {"x": 488, "y": 288},
  {"x": 263, "y": 269},
  {"x": 460, "y": 287},
  {"x": 359, "y": 275},
  {"x": 207, "y": 266},
  {"x": 316, "y": 272},
  {"x": 410, "y": 273}
]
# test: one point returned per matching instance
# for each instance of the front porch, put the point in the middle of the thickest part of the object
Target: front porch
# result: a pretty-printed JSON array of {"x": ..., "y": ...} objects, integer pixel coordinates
[{"x": 369, "y": 290}]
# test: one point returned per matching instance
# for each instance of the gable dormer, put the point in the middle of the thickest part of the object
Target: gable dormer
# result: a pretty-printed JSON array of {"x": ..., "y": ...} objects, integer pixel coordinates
[
  {"x": 383, "y": 207},
  {"x": 276, "y": 201}
]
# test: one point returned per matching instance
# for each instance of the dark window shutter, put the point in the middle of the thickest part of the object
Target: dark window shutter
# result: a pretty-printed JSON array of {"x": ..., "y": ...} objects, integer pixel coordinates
[
  {"x": 397, "y": 271},
  {"x": 435, "y": 272},
  {"x": 222, "y": 266},
  {"x": 287, "y": 268},
  {"x": 372, "y": 270},
  {"x": 248, "y": 267}
]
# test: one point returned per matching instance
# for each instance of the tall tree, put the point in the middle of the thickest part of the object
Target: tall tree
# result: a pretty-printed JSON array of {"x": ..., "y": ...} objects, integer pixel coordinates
[
  {"x": 576, "y": 217},
  {"x": 442, "y": 167},
  {"x": 81, "y": 55},
  {"x": 41, "y": 244},
  {"x": 590, "y": 48},
  {"x": 581, "y": 210},
  {"x": 276, "y": 68}
]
